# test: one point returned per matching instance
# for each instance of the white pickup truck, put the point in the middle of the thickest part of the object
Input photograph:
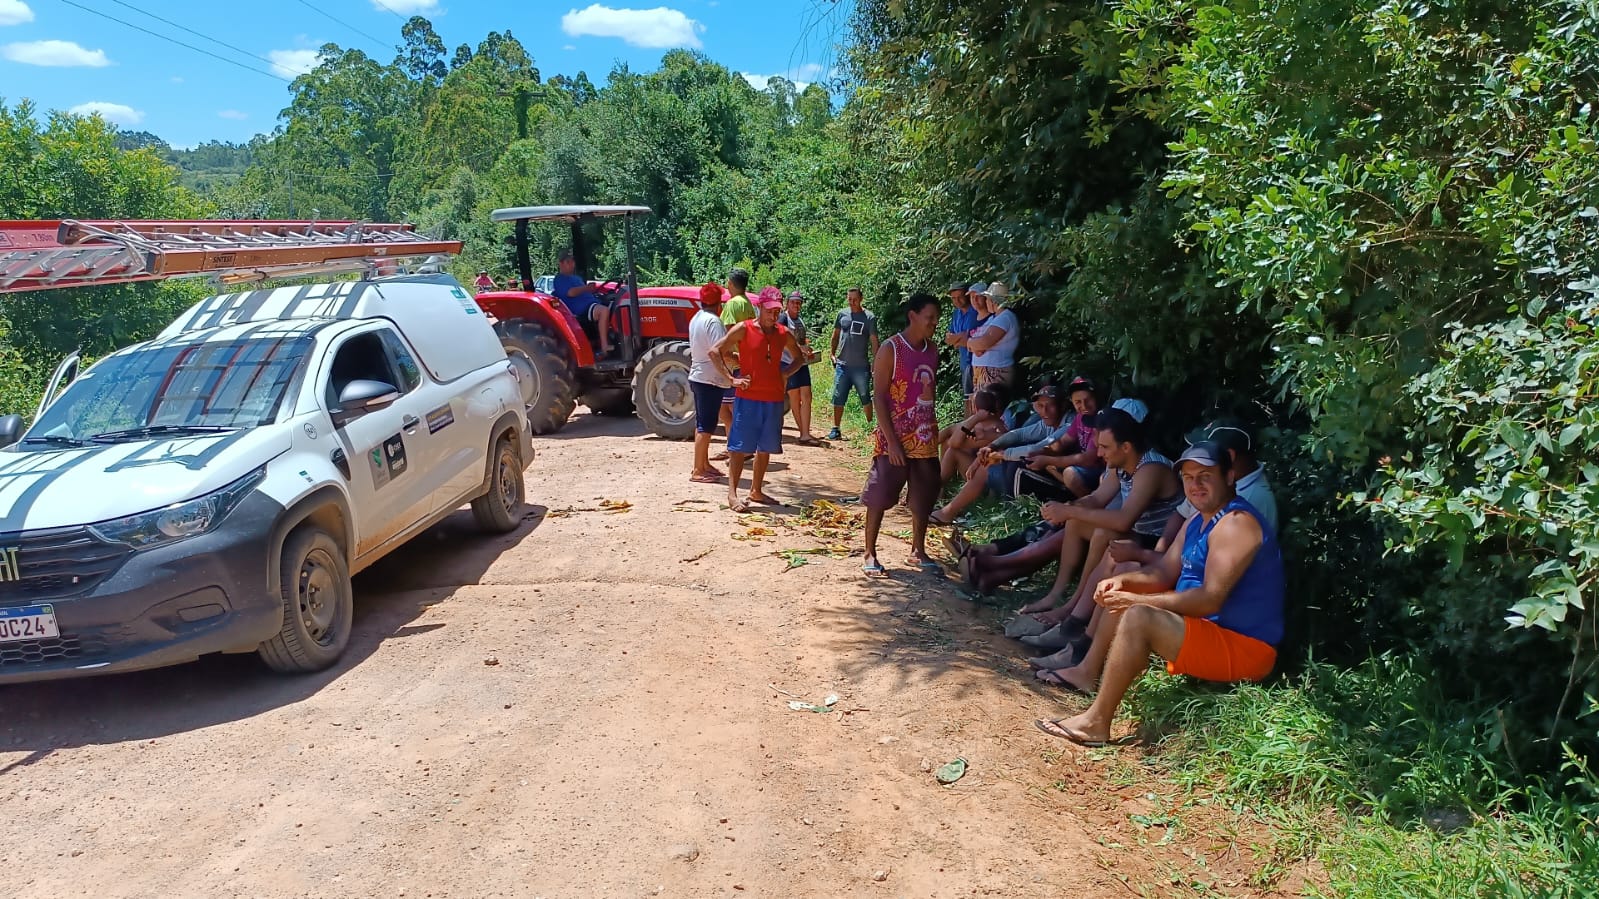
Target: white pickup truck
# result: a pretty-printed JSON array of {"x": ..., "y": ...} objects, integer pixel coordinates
[{"x": 214, "y": 489}]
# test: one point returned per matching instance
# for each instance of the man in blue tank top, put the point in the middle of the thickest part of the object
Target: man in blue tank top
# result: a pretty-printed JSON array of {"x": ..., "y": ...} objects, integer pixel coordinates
[{"x": 1212, "y": 606}]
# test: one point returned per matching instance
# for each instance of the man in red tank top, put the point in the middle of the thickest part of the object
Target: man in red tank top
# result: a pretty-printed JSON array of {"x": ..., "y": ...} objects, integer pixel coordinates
[
  {"x": 758, "y": 391},
  {"x": 906, "y": 451}
]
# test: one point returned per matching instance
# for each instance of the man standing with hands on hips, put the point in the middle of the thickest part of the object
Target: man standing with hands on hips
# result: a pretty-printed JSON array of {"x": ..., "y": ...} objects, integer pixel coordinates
[
  {"x": 854, "y": 347},
  {"x": 757, "y": 430}
]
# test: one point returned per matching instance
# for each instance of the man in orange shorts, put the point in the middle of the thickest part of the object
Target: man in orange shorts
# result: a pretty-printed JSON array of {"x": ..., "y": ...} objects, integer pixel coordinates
[{"x": 1212, "y": 606}]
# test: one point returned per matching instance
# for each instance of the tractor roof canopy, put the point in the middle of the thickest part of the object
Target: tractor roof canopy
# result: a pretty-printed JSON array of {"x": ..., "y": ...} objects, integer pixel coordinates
[{"x": 563, "y": 213}]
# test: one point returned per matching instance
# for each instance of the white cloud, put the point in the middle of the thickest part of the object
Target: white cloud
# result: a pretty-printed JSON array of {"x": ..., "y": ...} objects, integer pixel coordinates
[
  {"x": 803, "y": 76},
  {"x": 406, "y": 7},
  {"x": 115, "y": 113},
  {"x": 54, "y": 53},
  {"x": 568, "y": 46},
  {"x": 658, "y": 27},
  {"x": 290, "y": 63},
  {"x": 233, "y": 114},
  {"x": 177, "y": 79},
  {"x": 14, "y": 12}
]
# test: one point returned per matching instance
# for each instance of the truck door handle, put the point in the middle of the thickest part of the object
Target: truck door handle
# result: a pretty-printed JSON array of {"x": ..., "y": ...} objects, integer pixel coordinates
[{"x": 410, "y": 422}]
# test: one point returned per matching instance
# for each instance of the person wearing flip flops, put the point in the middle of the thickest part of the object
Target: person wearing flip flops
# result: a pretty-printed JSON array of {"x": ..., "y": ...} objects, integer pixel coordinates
[
  {"x": 799, "y": 383},
  {"x": 905, "y": 446},
  {"x": 707, "y": 379},
  {"x": 1212, "y": 606},
  {"x": 760, "y": 346}
]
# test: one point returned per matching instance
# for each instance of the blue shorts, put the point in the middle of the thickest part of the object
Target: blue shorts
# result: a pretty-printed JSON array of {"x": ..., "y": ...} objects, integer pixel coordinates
[
  {"x": 707, "y": 406},
  {"x": 845, "y": 377},
  {"x": 1002, "y": 478},
  {"x": 757, "y": 427},
  {"x": 801, "y": 378}
]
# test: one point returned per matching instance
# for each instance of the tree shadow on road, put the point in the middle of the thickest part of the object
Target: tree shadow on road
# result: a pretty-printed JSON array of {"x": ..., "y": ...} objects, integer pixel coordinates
[{"x": 427, "y": 570}]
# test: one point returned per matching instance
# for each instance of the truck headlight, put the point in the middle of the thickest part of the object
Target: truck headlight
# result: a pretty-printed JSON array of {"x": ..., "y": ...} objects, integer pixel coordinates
[{"x": 178, "y": 521}]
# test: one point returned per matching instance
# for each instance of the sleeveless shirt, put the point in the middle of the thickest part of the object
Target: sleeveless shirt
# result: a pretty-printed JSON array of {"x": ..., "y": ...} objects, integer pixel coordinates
[{"x": 910, "y": 400}]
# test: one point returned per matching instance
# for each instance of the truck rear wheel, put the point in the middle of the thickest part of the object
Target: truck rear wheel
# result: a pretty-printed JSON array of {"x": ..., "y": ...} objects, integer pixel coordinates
[
  {"x": 318, "y": 604},
  {"x": 548, "y": 378},
  {"x": 661, "y": 392}
]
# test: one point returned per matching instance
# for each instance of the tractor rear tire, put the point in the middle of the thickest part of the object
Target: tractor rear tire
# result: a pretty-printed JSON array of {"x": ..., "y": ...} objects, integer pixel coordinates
[
  {"x": 549, "y": 379},
  {"x": 661, "y": 392},
  {"x": 616, "y": 402}
]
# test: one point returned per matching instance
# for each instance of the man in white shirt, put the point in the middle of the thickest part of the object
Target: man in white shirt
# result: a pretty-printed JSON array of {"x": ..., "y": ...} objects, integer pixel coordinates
[{"x": 708, "y": 378}]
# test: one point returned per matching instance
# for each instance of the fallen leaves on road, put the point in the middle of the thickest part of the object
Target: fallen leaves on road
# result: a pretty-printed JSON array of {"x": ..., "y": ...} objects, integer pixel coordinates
[{"x": 608, "y": 506}]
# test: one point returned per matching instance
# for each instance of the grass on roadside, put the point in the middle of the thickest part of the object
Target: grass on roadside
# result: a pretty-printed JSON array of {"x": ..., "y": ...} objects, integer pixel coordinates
[{"x": 1391, "y": 788}]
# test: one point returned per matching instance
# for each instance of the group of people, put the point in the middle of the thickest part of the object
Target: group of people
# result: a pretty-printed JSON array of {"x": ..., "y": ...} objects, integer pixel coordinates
[
  {"x": 748, "y": 356},
  {"x": 1177, "y": 558}
]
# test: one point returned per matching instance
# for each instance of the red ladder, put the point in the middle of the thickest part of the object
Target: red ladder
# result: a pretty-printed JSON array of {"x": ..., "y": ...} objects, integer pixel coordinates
[{"x": 47, "y": 254}]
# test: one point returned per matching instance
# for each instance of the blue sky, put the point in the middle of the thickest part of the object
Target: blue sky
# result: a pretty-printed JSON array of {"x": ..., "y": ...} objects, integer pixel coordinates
[{"x": 61, "y": 55}]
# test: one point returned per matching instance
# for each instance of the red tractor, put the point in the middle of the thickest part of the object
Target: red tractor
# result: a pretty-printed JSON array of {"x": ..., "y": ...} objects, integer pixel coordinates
[{"x": 554, "y": 351}]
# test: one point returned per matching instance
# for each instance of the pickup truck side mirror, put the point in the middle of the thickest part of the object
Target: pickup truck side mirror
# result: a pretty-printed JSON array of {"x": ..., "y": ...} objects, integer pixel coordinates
[
  {"x": 10, "y": 430},
  {"x": 362, "y": 395}
]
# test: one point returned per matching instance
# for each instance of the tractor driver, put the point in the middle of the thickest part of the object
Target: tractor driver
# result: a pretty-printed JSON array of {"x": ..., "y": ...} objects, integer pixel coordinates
[{"x": 578, "y": 295}]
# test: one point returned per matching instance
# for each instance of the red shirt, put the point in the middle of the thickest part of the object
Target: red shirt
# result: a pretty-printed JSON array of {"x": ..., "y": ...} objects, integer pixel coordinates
[{"x": 760, "y": 358}]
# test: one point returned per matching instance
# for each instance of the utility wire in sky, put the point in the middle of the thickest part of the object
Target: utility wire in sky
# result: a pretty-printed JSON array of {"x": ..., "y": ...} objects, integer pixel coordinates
[
  {"x": 325, "y": 14},
  {"x": 390, "y": 9},
  {"x": 206, "y": 37},
  {"x": 173, "y": 40}
]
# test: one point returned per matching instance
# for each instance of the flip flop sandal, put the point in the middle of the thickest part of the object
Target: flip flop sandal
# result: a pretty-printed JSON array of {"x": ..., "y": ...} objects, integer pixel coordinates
[
  {"x": 1056, "y": 729},
  {"x": 768, "y": 501},
  {"x": 874, "y": 569},
  {"x": 929, "y": 566},
  {"x": 1048, "y": 676},
  {"x": 708, "y": 478},
  {"x": 932, "y": 518}
]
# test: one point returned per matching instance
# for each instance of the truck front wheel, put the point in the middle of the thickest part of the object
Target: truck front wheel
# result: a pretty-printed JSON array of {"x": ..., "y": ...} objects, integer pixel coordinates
[
  {"x": 318, "y": 604},
  {"x": 549, "y": 382}
]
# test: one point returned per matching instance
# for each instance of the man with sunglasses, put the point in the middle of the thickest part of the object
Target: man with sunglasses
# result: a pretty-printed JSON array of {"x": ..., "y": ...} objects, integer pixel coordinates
[{"x": 759, "y": 345}]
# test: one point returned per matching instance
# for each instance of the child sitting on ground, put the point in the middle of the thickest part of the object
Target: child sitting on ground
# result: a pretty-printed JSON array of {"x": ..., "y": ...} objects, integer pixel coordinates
[{"x": 958, "y": 444}]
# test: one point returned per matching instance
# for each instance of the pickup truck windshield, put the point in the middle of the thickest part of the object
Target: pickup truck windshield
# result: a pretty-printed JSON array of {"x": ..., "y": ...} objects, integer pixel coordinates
[{"x": 176, "y": 389}]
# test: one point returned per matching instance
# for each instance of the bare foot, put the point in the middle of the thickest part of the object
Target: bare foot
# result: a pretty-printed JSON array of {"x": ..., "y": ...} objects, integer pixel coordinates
[
  {"x": 706, "y": 477},
  {"x": 736, "y": 504},
  {"x": 1078, "y": 678},
  {"x": 763, "y": 499},
  {"x": 1086, "y": 726},
  {"x": 1042, "y": 604}
]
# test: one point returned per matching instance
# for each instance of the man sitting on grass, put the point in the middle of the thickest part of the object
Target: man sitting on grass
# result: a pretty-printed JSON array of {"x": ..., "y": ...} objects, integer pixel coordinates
[
  {"x": 1212, "y": 607},
  {"x": 996, "y": 466}
]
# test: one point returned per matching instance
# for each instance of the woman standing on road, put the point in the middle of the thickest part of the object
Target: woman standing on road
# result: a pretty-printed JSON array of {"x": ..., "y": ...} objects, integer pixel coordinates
[
  {"x": 799, "y": 384},
  {"x": 993, "y": 342}
]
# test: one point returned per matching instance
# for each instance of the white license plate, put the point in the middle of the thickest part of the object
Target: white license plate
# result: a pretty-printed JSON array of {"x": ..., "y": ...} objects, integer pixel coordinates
[{"x": 28, "y": 623}]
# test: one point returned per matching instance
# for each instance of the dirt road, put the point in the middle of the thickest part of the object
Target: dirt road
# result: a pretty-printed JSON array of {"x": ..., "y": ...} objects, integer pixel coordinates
[{"x": 586, "y": 708}]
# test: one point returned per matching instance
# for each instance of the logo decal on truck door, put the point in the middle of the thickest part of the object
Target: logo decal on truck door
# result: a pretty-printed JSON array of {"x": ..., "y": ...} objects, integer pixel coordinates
[
  {"x": 387, "y": 461},
  {"x": 440, "y": 418}
]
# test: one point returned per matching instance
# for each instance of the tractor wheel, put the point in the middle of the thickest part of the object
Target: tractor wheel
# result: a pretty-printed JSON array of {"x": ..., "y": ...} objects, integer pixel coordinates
[
  {"x": 661, "y": 391},
  {"x": 612, "y": 401},
  {"x": 549, "y": 383}
]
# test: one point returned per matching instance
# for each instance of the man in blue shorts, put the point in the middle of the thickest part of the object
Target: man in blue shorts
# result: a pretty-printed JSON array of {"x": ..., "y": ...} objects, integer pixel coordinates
[
  {"x": 853, "y": 349},
  {"x": 707, "y": 378},
  {"x": 578, "y": 295}
]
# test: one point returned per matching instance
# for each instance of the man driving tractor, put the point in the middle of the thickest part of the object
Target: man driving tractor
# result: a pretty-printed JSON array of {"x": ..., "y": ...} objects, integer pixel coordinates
[{"x": 580, "y": 296}]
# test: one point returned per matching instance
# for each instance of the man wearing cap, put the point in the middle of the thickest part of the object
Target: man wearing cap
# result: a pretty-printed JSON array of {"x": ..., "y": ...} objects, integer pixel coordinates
[
  {"x": 997, "y": 464},
  {"x": 578, "y": 295},
  {"x": 708, "y": 379},
  {"x": 757, "y": 427},
  {"x": 853, "y": 348},
  {"x": 483, "y": 282},
  {"x": 1070, "y": 466},
  {"x": 799, "y": 383},
  {"x": 993, "y": 343},
  {"x": 1212, "y": 606},
  {"x": 961, "y": 322},
  {"x": 1081, "y": 629}
]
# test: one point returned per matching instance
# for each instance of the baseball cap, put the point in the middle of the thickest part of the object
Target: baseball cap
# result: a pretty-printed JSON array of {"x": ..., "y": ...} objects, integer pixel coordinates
[
  {"x": 796, "y": 295},
  {"x": 711, "y": 293},
  {"x": 1231, "y": 433},
  {"x": 998, "y": 290},
  {"x": 1205, "y": 452},
  {"x": 978, "y": 287},
  {"x": 1046, "y": 390},
  {"x": 1079, "y": 383},
  {"x": 957, "y": 285},
  {"x": 1135, "y": 408},
  {"x": 770, "y": 298},
  {"x": 563, "y": 255}
]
